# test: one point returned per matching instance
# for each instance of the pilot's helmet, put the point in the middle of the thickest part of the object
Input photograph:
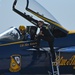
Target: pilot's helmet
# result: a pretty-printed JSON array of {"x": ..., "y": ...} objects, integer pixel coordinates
[{"x": 22, "y": 28}]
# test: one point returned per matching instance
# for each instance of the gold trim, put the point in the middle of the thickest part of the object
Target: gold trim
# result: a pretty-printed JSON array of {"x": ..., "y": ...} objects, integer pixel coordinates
[
  {"x": 71, "y": 32},
  {"x": 12, "y": 43},
  {"x": 46, "y": 19}
]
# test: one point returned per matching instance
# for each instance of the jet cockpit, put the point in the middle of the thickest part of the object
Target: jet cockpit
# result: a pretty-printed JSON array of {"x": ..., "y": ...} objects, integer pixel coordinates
[{"x": 11, "y": 34}]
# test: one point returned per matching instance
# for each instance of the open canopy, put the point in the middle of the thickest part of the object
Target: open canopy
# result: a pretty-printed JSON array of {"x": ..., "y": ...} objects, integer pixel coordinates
[
  {"x": 33, "y": 12},
  {"x": 36, "y": 9}
]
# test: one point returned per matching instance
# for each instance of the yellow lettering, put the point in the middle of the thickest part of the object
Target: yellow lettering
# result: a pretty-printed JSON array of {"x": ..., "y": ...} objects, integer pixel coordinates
[
  {"x": 33, "y": 43},
  {"x": 65, "y": 62},
  {"x": 26, "y": 44},
  {"x": 74, "y": 67},
  {"x": 21, "y": 45}
]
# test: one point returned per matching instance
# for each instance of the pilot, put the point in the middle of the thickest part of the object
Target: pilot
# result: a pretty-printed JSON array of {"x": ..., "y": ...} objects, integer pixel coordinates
[
  {"x": 46, "y": 34},
  {"x": 24, "y": 35}
]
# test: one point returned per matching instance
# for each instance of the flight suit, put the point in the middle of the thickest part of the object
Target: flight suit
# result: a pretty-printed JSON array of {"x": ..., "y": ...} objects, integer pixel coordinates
[
  {"x": 48, "y": 36},
  {"x": 25, "y": 37}
]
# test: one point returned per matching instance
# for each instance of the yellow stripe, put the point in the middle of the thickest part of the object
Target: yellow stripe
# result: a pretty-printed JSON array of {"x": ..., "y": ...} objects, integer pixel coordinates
[
  {"x": 12, "y": 43},
  {"x": 46, "y": 19},
  {"x": 71, "y": 32}
]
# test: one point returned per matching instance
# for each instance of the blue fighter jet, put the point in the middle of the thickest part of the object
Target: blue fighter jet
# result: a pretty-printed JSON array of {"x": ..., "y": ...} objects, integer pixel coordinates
[{"x": 19, "y": 57}]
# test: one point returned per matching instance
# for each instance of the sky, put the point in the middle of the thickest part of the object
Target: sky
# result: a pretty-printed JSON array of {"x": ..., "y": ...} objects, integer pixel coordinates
[{"x": 62, "y": 10}]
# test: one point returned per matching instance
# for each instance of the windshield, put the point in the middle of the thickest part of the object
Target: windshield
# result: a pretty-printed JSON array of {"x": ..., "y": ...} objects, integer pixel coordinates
[{"x": 11, "y": 34}]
